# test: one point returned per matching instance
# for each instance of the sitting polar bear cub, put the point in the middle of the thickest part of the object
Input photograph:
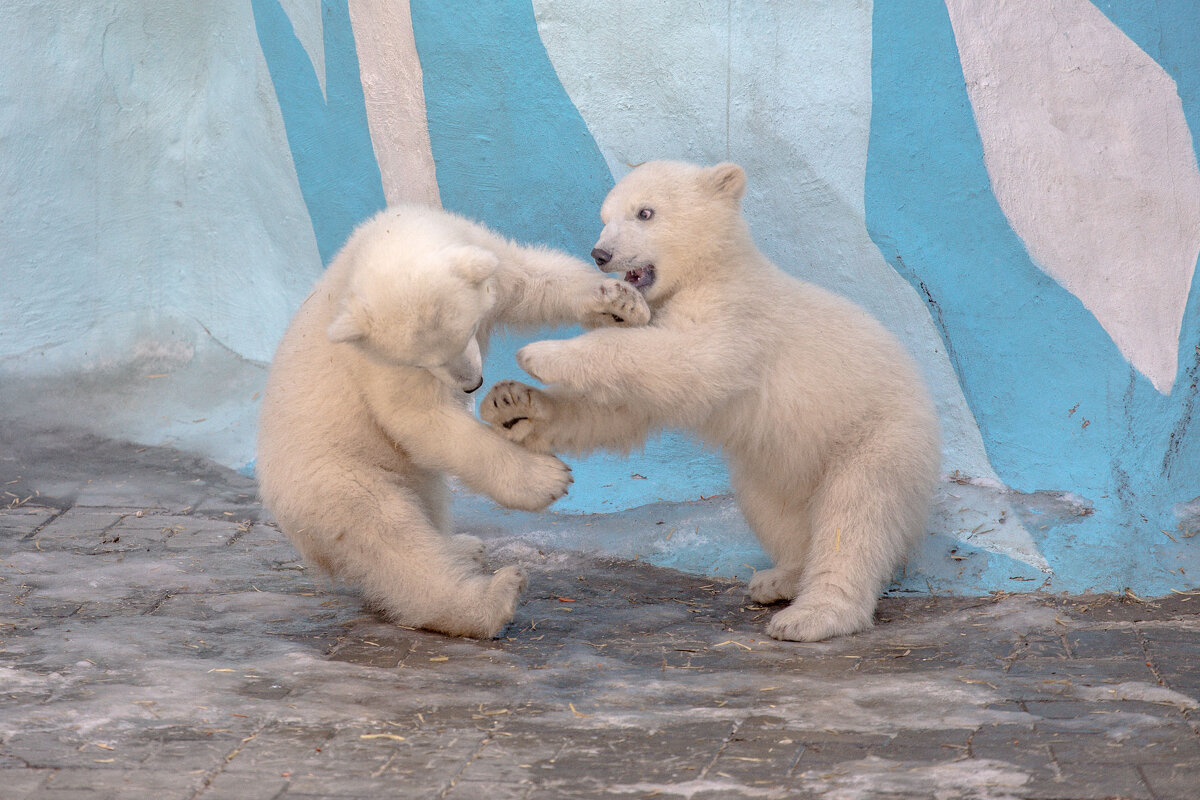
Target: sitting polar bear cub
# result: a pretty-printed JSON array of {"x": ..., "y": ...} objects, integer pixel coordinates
[
  {"x": 367, "y": 405},
  {"x": 830, "y": 435}
]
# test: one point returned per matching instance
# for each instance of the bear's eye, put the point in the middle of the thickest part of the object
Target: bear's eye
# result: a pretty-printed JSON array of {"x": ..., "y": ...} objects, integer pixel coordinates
[{"x": 645, "y": 214}]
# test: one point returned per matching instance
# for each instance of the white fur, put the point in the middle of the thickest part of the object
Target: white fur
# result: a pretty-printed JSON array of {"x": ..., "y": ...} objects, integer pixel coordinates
[
  {"x": 830, "y": 435},
  {"x": 367, "y": 407}
]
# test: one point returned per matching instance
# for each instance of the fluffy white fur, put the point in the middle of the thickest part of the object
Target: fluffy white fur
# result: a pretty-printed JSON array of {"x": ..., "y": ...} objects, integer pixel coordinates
[
  {"x": 367, "y": 406},
  {"x": 830, "y": 435}
]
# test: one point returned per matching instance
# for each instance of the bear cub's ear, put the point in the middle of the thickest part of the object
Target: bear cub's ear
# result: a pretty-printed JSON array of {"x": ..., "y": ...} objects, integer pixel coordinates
[
  {"x": 473, "y": 264},
  {"x": 347, "y": 326},
  {"x": 728, "y": 179}
]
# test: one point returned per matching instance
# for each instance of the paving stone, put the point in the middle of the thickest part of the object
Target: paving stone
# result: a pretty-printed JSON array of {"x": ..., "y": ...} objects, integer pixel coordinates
[
  {"x": 143, "y": 782},
  {"x": 826, "y": 750},
  {"x": 79, "y": 529},
  {"x": 1104, "y": 643},
  {"x": 1092, "y": 671},
  {"x": 512, "y": 757},
  {"x": 926, "y": 745},
  {"x": 1092, "y": 781},
  {"x": 1187, "y": 632},
  {"x": 1171, "y": 781},
  {"x": 46, "y": 793},
  {"x": 332, "y": 784},
  {"x": 17, "y": 523},
  {"x": 238, "y": 786},
  {"x": 762, "y": 751},
  {"x": 1185, "y": 680},
  {"x": 20, "y": 783},
  {"x": 487, "y": 790},
  {"x": 66, "y": 750},
  {"x": 1168, "y": 744}
]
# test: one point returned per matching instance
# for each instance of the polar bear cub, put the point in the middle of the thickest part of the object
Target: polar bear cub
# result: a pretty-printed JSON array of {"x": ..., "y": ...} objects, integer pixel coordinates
[
  {"x": 367, "y": 407},
  {"x": 829, "y": 433}
]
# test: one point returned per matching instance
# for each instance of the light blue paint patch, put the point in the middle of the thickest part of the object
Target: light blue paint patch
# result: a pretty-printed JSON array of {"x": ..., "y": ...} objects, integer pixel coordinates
[
  {"x": 509, "y": 147},
  {"x": 1168, "y": 35},
  {"x": 512, "y": 151},
  {"x": 1035, "y": 365},
  {"x": 944, "y": 564},
  {"x": 705, "y": 537},
  {"x": 328, "y": 134}
]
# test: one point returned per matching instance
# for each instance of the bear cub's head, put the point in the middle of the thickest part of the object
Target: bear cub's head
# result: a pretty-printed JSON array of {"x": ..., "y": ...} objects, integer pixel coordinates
[
  {"x": 667, "y": 223},
  {"x": 408, "y": 307}
]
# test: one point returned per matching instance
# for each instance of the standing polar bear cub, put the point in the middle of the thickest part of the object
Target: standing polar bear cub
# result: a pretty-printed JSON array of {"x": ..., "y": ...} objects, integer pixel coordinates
[
  {"x": 830, "y": 435},
  {"x": 367, "y": 407}
]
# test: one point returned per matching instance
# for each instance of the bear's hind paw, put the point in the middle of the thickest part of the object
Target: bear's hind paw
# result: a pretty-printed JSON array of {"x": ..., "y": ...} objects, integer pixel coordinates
[
  {"x": 502, "y": 595},
  {"x": 772, "y": 585},
  {"x": 815, "y": 621},
  {"x": 468, "y": 547}
]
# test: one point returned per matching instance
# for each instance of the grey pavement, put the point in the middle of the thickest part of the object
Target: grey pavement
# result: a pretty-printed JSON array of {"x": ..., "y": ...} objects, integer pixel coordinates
[{"x": 160, "y": 639}]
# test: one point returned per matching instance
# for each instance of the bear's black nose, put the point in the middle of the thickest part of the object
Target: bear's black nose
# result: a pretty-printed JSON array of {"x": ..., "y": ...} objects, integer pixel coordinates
[{"x": 602, "y": 256}]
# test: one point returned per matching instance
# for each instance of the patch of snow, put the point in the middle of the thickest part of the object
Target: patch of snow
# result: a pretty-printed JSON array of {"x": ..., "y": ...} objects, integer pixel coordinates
[
  {"x": 1135, "y": 691},
  {"x": 871, "y": 777},
  {"x": 690, "y": 788}
]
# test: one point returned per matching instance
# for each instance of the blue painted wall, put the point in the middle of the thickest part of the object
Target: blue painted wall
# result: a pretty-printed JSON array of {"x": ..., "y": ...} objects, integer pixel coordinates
[
  {"x": 1057, "y": 404},
  {"x": 143, "y": 252},
  {"x": 326, "y": 123}
]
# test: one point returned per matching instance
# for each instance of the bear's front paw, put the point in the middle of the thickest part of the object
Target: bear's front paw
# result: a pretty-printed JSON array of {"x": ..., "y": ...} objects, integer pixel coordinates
[
  {"x": 547, "y": 361},
  {"x": 537, "y": 483},
  {"x": 514, "y": 410},
  {"x": 615, "y": 302}
]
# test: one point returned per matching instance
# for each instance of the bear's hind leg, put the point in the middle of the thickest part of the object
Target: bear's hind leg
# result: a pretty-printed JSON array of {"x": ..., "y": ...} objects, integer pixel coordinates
[
  {"x": 782, "y": 530},
  {"x": 472, "y": 548},
  {"x": 772, "y": 585},
  {"x": 863, "y": 520},
  {"x": 432, "y": 584},
  {"x": 416, "y": 575}
]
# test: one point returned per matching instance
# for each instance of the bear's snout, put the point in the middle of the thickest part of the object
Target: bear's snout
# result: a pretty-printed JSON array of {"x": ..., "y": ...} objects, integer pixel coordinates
[{"x": 602, "y": 257}]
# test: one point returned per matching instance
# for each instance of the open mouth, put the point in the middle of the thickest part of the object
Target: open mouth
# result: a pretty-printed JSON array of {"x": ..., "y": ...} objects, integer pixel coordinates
[{"x": 640, "y": 277}]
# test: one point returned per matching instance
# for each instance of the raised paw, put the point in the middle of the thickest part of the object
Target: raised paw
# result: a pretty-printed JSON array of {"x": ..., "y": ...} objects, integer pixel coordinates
[
  {"x": 514, "y": 409},
  {"x": 536, "y": 483},
  {"x": 812, "y": 621},
  {"x": 771, "y": 585},
  {"x": 468, "y": 547},
  {"x": 615, "y": 302},
  {"x": 546, "y": 361}
]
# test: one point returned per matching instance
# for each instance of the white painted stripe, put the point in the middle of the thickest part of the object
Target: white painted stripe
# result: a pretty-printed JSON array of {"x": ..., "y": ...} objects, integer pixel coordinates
[
  {"x": 395, "y": 99},
  {"x": 1091, "y": 159},
  {"x": 306, "y": 22}
]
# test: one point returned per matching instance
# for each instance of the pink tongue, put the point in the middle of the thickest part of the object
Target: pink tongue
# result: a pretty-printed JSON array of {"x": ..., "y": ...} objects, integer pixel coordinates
[{"x": 639, "y": 277}]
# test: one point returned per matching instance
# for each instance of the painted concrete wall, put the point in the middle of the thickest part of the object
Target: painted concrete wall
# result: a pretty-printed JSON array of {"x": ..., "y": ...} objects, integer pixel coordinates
[{"x": 1010, "y": 186}]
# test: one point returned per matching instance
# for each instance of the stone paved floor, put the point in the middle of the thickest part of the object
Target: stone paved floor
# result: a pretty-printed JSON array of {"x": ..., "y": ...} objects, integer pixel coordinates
[{"x": 159, "y": 639}]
